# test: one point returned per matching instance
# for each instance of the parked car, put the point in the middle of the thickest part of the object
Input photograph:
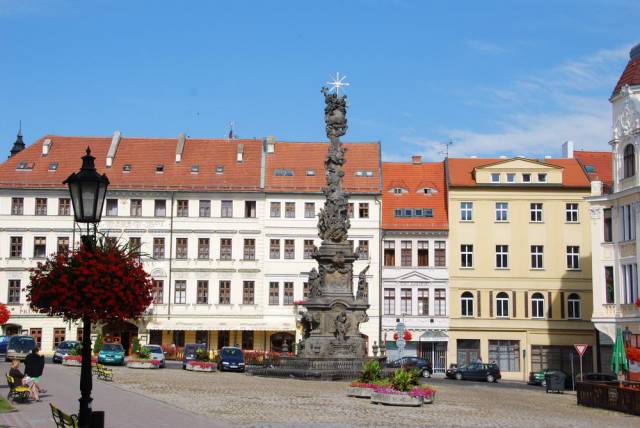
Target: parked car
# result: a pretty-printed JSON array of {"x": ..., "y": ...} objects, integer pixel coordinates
[
  {"x": 4, "y": 341},
  {"x": 422, "y": 365},
  {"x": 190, "y": 350},
  {"x": 64, "y": 348},
  {"x": 157, "y": 353},
  {"x": 19, "y": 347},
  {"x": 475, "y": 371},
  {"x": 111, "y": 353},
  {"x": 232, "y": 359},
  {"x": 600, "y": 377},
  {"x": 538, "y": 378}
]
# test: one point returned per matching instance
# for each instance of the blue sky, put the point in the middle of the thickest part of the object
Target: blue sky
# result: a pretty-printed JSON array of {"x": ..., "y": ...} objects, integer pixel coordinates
[{"x": 508, "y": 77}]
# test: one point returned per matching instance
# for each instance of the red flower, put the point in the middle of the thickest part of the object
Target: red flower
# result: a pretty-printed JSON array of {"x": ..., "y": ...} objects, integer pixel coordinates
[
  {"x": 4, "y": 313},
  {"x": 407, "y": 335}
]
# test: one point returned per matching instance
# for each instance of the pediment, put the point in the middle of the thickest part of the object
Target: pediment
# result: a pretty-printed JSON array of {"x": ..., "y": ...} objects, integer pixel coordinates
[
  {"x": 414, "y": 276},
  {"x": 517, "y": 164}
]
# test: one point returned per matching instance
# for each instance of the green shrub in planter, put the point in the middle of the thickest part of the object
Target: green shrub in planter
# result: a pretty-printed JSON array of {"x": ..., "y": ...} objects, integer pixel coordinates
[
  {"x": 370, "y": 372},
  {"x": 404, "y": 380}
]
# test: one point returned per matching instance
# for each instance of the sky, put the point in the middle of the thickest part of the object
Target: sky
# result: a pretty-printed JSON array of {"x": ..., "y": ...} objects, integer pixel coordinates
[{"x": 494, "y": 77}]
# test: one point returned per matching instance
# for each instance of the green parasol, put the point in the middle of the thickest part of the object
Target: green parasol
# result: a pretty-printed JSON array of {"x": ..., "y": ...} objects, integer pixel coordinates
[{"x": 619, "y": 361}]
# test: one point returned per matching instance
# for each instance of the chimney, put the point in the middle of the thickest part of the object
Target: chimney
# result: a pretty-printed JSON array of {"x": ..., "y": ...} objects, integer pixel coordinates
[
  {"x": 271, "y": 144},
  {"x": 596, "y": 188},
  {"x": 416, "y": 159},
  {"x": 180, "y": 147},
  {"x": 113, "y": 148},
  {"x": 567, "y": 149},
  {"x": 240, "y": 153},
  {"x": 46, "y": 146}
]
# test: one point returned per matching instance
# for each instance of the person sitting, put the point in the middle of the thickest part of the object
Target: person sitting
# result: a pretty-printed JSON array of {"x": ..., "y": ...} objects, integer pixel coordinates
[
  {"x": 20, "y": 379},
  {"x": 34, "y": 366}
]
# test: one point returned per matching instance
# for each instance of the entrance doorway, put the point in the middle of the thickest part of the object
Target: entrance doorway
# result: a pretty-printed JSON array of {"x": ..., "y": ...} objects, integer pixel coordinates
[
  {"x": 468, "y": 351},
  {"x": 435, "y": 353},
  {"x": 121, "y": 332}
]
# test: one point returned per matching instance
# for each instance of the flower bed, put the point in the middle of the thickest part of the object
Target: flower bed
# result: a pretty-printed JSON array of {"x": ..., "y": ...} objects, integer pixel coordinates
[
  {"x": 143, "y": 364},
  {"x": 201, "y": 366},
  {"x": 76, "y": 360},
  {"x": 361, "y": 389},
  {"x": 392, "y": 397}
]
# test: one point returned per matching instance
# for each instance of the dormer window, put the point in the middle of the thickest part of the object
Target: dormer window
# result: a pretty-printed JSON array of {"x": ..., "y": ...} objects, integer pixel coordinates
[
  {"x": 629, "y": 160},
  {"x": 195, "y": 169},
  {"x": 25, "y": 166},
  {"x": 159, "y": 169},
  {"x": 53, "y": 166},
  {"x": 542, "y": 178},
  {"x": 526, "y": 178},
  {"x": 310, "y": 172},
  {"x": 364, "y": 173},
  {"x": 283, "y": 173},
  {"x": 126, "y": 167},
  {"x": 219, "y": 169},
  {"x": 397, "y": 190},
  {"x": 511, "y": 177},
  {"x": 495, "y": 177}
]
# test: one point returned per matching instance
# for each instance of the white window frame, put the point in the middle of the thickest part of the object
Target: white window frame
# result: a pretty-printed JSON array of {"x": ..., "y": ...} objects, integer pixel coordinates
[
  {"x": 495, "y": 177},
  {"x": 537, "y": 306},
  {"x": 466, "y": 305},
  {"x": 502, "y": 306},
  {"x": 536, "y": 212},
  {"x": 466, "y": 211},
  {"x": 502, "y": 211},
  {"x": 511, "y": 177},
  {"x": 466, "y": 256},
  {"x": 571, "y": 212},
  {"x": 577, "y": 307},
  {"x": 502, "y": 256},
  {"x": 537, "y": 251},
  {"x": 573, "y": 257}
]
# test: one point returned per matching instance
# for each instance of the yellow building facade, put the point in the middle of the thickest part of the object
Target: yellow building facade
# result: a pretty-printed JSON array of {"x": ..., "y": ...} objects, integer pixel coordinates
[{"x": 520, "y": 271}]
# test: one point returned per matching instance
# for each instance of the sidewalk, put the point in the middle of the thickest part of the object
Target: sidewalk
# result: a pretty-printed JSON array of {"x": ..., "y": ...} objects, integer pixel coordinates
[{"x": 122, "y": 408}]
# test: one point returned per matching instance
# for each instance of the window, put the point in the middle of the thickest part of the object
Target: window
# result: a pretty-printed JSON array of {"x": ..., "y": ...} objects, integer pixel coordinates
[
  {"x": 79, "y": 334},
  {"x": 289, "y": 249},
  {"x": 405, "y": 301},
  {"x": 466, "y": 303},
  {"x": 180, "y": 296},
  {"x": 183, "y": 208},
  {"x": 526, "y": 178},
  {"x": 160, "y": 208},
  {"x": 389, "y": 253},
  {"x": 225, "y": 248},
  {"x": 572, "y": 213},
  {"x": 506, "y": 353},
  {"x": 181, "y": 248},
  {"x": 502, "y": 256},
  {"x": 249, "y": 209},
  {"x": 309, "y": 248},
  {"x": 290, "y": 209},
  {"x": 440, "y": 253},
  {"x": 542, "y": 177},
  {"x": 249, "y": 251},
  {"x": 63, "y": 245},
  {"x": 204, "y": 210},
  {"x": 17, "y": 206},
  {"x": 226, "y": 209},
  {"x": 405, "y": 253},
  {"x": 224, "y": 292},
  {"x": 629, "y": 161},
  {"x": 158, "y": 248},
  {"x": 159, "y": 169},
  {"x": 511, "y": 177},
  {"x": 440, "y": 302},
  {"x": 573, "y": 306},
  {"x": 274, "y": 249},
  {"x": 309, "y": 209},
  {"x": 178, "y": 337},
  {"x": 423, "y": 253},
  {"x": 64, "y": 206},
  {"x": 305, "y": 290},
  {"x": 41, "y": 206},
  {"x": 195, "y": 169},
  {"x": 283, "y": 172},
  {"x": 536, "y": 212},
  {"x": 112, "y": 207},
  {"x": 39, "y": 247},
  {"x": 502, "y": 211},
  {"x": 608, "y": 225},
  {"x": 502, "y": 305},
  {"x": 203, "y": 248},
  {"x": 573, "y": 257},
  {"x": 466, "y": 256},
  {"x": 135, "y": 245},
  {"x": 58, "y": 336},
  {"x": 629, "y": 283},
  {"x": 135, "y": 208},
  {"x": 608, "y": 279},
  {"x": 495, "y": 177},
  {"x": 363, "y": 250},
  {"x": 126, "y": 167},
  {"x": 158, "y": 291},
  {"x": 247, "y": 339},
  {"x": 628, "y": 223},
  {"x": 248, "y": 292},
  {"x": 16, "y": 246},
  {"x": 350, "y": 209},
  {"x": 466, "y": 211},
  {"x": 310, "y": 172},
  {"x": 274, "y": 293},
  {"x": 537, "y": 305},
  {"x": 389, "y": 301},
  {"x": 14, "y": 292},
  {"x": 202, "y": 297},
  {"x": 363, "y": 210},
  {"x": 219, "y": 169},
  {"x": 423, "y": 301},
  {"x": 275, "y": 210},
  {"x": 36, "y": 333},
  {"x": 288, "y": 293},
  {"x": 536, "y": 256}
]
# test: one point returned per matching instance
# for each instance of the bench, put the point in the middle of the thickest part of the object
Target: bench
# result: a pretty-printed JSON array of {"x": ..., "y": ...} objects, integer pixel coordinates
[
  {"x": 63, "y": 420},
  {"x": 17, "y": 392},
  {"x": 103, "y": 373}
]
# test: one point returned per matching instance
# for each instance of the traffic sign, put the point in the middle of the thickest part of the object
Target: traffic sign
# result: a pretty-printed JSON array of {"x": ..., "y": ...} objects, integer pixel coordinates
[
  {"x": 581, "y": 348},
  {"x": 401, "y": 343}
]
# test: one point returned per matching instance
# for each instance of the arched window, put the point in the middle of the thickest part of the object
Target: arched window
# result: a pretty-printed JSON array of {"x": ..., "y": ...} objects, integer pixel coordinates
[
  {"x": 574, "y": 306},
  {"x": 629, "y": 161},
  {"x": 466, "y": 301},
  {"x": 502, "y": 305},
  {"x": 537, "y": 305}
]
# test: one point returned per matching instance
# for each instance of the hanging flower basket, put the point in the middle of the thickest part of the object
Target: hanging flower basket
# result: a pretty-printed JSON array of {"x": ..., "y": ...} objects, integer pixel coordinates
[
  {"x": 406, "y": 336},
  {"x": 5, "y": 314}
]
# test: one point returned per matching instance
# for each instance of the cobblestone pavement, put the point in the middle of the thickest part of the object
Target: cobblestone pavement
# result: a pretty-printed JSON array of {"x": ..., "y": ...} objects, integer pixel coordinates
[{"x": 239, "y": 400}]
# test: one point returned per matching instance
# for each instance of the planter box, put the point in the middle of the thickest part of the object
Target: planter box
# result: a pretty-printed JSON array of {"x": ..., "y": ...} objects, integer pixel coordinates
[
  {"x": 211, "y": 367},
  {"x": 142, "y": 365},
  {"x": 354, "y": 391},
  {"x": 396, "y": 399},
  {"x": 74, "y": 362}
]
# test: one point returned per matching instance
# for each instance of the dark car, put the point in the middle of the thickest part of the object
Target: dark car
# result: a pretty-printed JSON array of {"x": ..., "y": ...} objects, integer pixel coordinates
[
  {"x": 475, "y": 371},
  {"x": 4, "y": 341},
  {"x": 231, "y": 359},
  {"x": 19, "y": 347},
  {"x": 599, "y": 377},
  {"x": 423, "y": 366},
  {"x": 64, "y": 348},
  {"x": 538, "y": 378},
  {"x": 190, "y": 350}
]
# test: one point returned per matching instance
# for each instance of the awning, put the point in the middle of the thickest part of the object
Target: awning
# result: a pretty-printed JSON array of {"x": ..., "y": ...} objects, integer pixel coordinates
[
  {"x": 434, "y": 336},
  {"x": 220, "y": 324}
]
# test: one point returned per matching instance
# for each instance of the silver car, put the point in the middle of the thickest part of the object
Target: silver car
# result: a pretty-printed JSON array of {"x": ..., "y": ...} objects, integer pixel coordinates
[{"x": 156, "y": 353}]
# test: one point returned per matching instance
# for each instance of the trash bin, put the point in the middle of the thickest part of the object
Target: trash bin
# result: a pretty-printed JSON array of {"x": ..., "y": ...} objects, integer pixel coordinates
[{"x": 555, "y": 381}]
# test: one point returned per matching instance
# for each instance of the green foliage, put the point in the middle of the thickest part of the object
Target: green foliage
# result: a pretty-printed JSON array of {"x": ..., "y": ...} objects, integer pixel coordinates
[
  {"x": 135, "y": 345},
  {"x": 97, "y": 346},
  {"x": 202, "y": 354},
  {"x": 404, "y": 379},
  {"x": 143, "y": 353},
  {"x": 370, "y": 372},
  {"x": 77, "y": 351}
]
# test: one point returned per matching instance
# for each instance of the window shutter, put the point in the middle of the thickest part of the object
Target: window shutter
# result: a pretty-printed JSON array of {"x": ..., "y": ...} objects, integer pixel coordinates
[
  {"x": 562, "y": 304},
  {"x": 479, "y": 302},
  {"x": 513, "y": 293},
  {"x": 490, "y": 303},
  {"x": 526, "y": 304},
  {"x": 550, "y": 305}
]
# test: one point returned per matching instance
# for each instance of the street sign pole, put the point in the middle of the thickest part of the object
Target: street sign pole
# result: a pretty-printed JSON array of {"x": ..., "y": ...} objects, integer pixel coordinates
[{"x": 581, "y": 348}]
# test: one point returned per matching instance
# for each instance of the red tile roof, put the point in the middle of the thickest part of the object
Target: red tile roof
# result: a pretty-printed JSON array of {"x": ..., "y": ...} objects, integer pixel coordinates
[
  {"x": 414, "y": 177},
  {"x": 460, "y": 171},
  {"x": 597, "y": 165},
  {"x": 631, "y": 74},
  {"x": 301, "y": 157},
  {"x": 143, "y": 154}
]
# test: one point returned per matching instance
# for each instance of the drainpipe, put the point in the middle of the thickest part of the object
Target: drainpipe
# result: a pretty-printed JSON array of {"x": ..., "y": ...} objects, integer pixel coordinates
[{"x": 380, "y": 251}]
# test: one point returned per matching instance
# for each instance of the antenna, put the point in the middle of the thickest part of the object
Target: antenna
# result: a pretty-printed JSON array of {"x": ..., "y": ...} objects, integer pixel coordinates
[
  {"x": 20, "y": 128},
  {"x": 445, "y": 148},
  {"x": 232, "y": 134}
]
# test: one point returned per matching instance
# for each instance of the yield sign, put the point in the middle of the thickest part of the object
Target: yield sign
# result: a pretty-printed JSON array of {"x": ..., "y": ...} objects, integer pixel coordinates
[{"x": 581, "y": 348}]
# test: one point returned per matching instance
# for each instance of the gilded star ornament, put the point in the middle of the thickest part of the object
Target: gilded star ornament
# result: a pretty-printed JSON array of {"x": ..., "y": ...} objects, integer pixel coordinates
[{"x": 338, "y": 83}]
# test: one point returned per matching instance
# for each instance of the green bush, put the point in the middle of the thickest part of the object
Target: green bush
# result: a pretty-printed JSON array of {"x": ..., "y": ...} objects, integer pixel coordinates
[
  {"x": 370, "y": 372},
  {"x": 202, "y": 354},
  {"x": 77, "y": 351},
  {"x": 144, "y": 353},
  {"x": 404, "y": 379},
  {"x": 135, "y": 345},
  {"x": 97, "y": 346}
]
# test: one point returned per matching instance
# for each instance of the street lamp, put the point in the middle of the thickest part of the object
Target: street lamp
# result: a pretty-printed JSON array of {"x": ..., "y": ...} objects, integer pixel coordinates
[
  {"x": 626, "y": 336},
  {"x": 88, "y": 190}
]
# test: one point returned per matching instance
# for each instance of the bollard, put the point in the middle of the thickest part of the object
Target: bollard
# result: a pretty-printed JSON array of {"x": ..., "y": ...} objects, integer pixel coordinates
[{"x": 97, "y": 419}]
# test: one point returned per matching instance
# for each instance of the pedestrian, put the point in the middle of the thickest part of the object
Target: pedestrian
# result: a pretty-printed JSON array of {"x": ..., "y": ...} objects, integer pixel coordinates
[
  {"x": 21, "y": 379},
  {"x": 34, "y": 366}
]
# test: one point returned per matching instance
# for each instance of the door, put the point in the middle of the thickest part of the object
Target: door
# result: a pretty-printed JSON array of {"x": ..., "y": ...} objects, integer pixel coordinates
[{"x": 468, "y": 351}]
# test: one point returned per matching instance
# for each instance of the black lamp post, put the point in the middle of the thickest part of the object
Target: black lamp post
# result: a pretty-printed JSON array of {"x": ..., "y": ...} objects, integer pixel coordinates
[
  {"x": 88, "y": 190},
  {"x": 626, "y": 336}
]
